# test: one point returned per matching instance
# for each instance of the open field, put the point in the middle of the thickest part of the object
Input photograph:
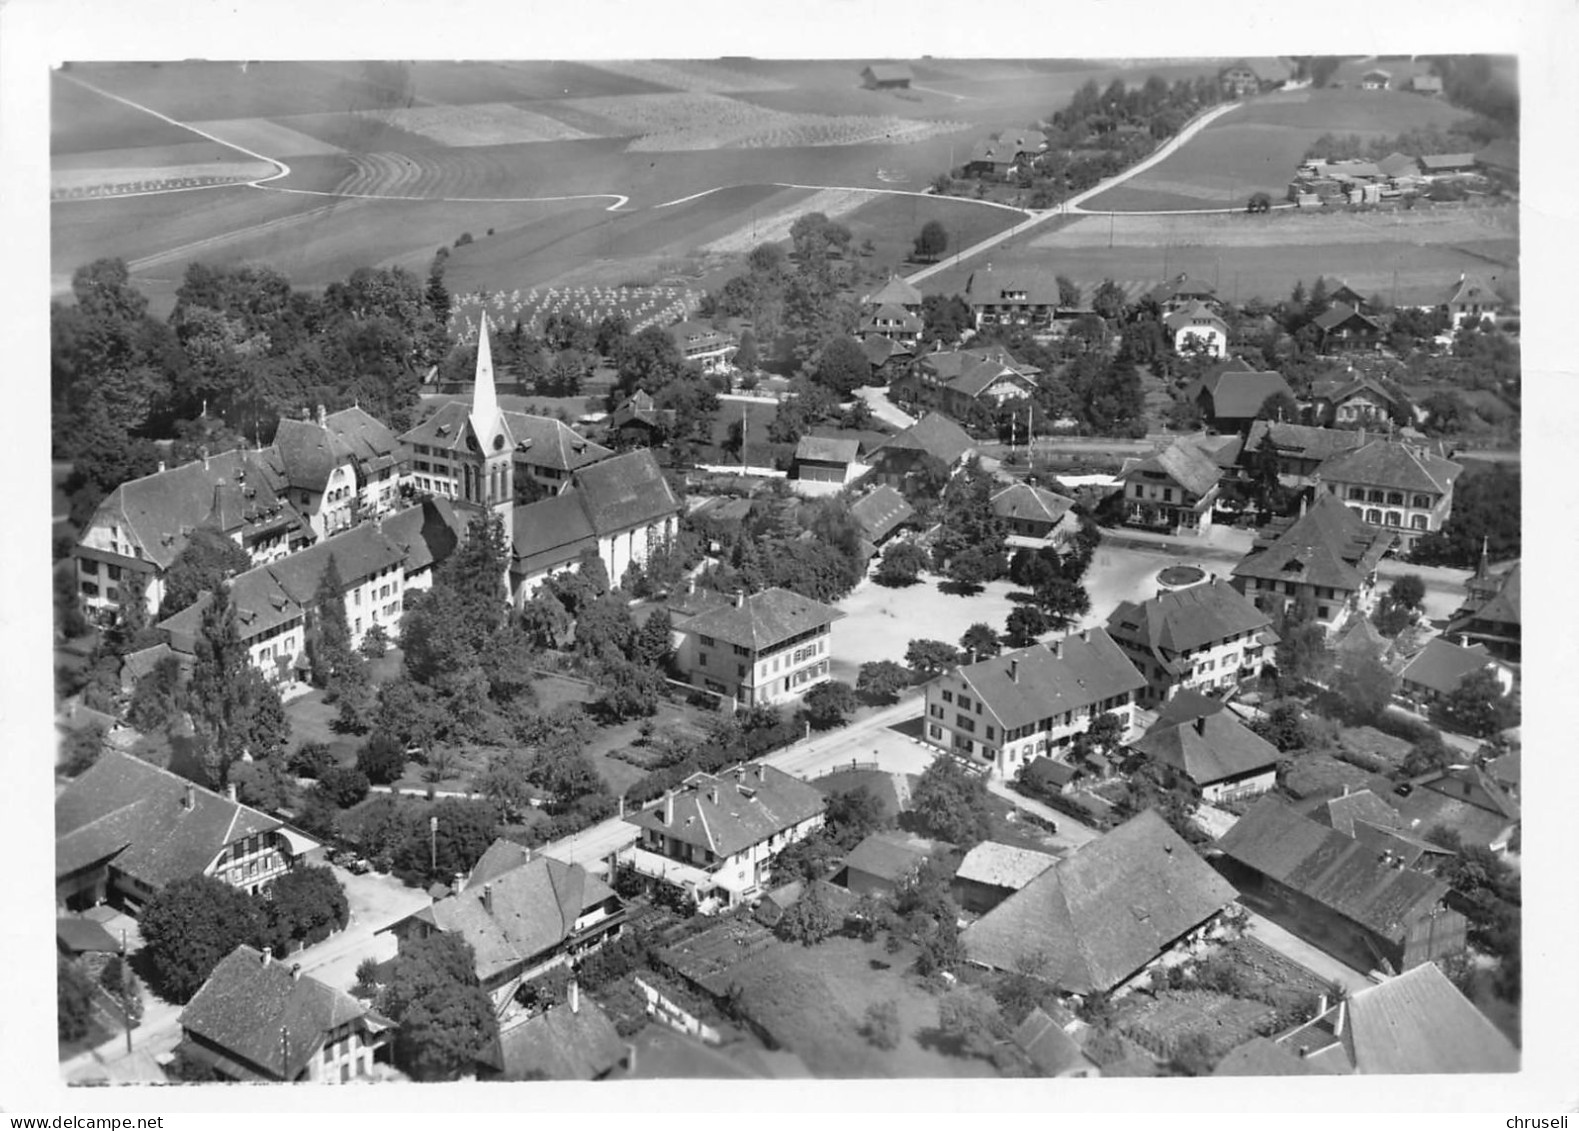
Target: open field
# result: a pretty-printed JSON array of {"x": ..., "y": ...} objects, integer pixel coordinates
[
  {"x": 1423, "y": 250},
  {"x": 1258, "y": 147}
]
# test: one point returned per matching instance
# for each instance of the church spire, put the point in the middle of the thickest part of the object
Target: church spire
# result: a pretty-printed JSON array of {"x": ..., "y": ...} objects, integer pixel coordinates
[{"x": 485, "y": 401}]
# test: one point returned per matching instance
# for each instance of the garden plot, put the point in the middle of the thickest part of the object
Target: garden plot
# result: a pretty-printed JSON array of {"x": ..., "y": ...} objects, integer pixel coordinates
[
  {"x": 642, "y": 306},
  {"x": 489, "y": 123},
  {"x": 74, "y": 183},
  {"x": 691, "y": 75}
]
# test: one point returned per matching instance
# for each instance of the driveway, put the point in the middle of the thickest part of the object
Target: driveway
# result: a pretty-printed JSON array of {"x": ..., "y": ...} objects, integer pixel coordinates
[
  {"x": 1295, "y": 949},
  {"x": 876, "y": 398}
]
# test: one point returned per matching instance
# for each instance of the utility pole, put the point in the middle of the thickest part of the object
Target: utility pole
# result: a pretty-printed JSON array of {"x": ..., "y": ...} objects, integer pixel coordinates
[
  {"x": 433, "y": 844},
  {"x": 743, "y": 423},
  {"x": 126, "y": 1007}
]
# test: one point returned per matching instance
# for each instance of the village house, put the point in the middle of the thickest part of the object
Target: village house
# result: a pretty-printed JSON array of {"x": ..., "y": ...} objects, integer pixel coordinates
[
  {"x": 1174, "y": 490},
  {"x": 882, "y": 862},
  {"x": 1051, "y": 1048},
  {"x": 1426, "y": 84},
  {"x": 143, "y": 525},
  {"x": 1435, "y": 672},
  {"x": 934, "y": 436},
  {"x": 1417, "y": 1023},
  {"x": 892, "y": 323},
  {"x": 1341, "y": 328},
  {"x": 340, "y": 467},
  {"x": 1238, "y": 80},
  {"x": 274, "y": 602},
  {"x": 1375, "y": 80},
  {"x": 881, "y": 514},
  {"x": 1397, "y": 167},
  {"x": 1394, "y": 484},
  {"x": 991, "y": 872},
  {"x": 895, "y": 292},
  {"x": 1204, "y": 743},
  {"x": 701, "y": 345},
  {"x": 1182, "y": 291},
  {"x": 1365, "y": 817},
  {"x": 888, "y": 358},
  {"x": 1336, "y": 892},
  {"x": 638, "y": 422},
  {"x": 1017, "y": 296},
  {"x": 770, "y": 647},
  {"x": 473, "y": 455},
  {"x": 125, "y": 829},
  {"x": 1490, "y": 615},
  {"x": 1206, "y": 637},
  {"x": 1471, "y": 299},
  {"x": 1197, "y": 329},
  {"x": 523, "y": 915},
  {"x": 886, "y": 76},
  {"x": 1232, "y": 398},
  {"x": 716, "y": 836},
  {"x": 1036, "y": 516},
  {"x": 1499, "y": 161},
  {"x": 827, "y": 460},
  {"x": 570, "y": 1040},
  {"x": 1464, "y": 800},
  {"x": 957, "y": 381},
  {"x": 1324, "y": 560},
  {"x": 1106, "y": 913},
  {"x": 259, "y": 1021},
  {"x": 1000, "y": 713},
  {"x": 1348, "y": 400},
  {"x": 1298, "y": 449},
  {"x": 622, "y": 507},
  {"x": 1447, "y": 164}
]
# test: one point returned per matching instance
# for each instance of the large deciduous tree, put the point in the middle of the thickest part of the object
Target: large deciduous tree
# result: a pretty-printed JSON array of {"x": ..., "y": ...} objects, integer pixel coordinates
[
  {"x": 444, "y": 1020},
  {"x": 235, "y": 710},
  {"x": 190, "y": 926},
  {"x": 951, "y": 804},
  {"x": 206, "y": 561},
  {"x": 932, "y": 241}
]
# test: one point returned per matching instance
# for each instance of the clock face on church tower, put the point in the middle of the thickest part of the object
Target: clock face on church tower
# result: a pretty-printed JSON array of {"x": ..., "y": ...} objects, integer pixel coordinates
[{"x": 498, "y": 443}]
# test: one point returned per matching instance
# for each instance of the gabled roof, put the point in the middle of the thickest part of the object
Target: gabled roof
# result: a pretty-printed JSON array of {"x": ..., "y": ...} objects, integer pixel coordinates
[
  {"x": 1003, "y": 865},
  {"x": 1500, "y": 154},
  {"x": 936, "y": 435},
  {"x": 1102, "y": 913},
  {"x": 1339, "y": 313},
  {"x": 890, "y": 72},
  {"x": 1339, "y": 872},
  {"x": 1437, "y": 162},
  {"x": 626, "y": 491},
  {"x": 426, "y": 534},
  {"x": 543, "y": 441},
  {"x": 1239, "y": 394},
  {"x": 1261, "y": 1056},
  {"x": 548, "y": 533},
  {"x": 562, "y": 1044},
  {"x": 1301, "y": 440},
  {"x": 879, "y": 349},
  {"x": 1473, "y": 786},
  {"x": 762, "y": 619},
  {"x": 1442, "y": 666},
  {"x": 976, "y": 379},
  {"x": 1026, "y": 502},
  {"x": 889, "y": 856},
  {"x": 1194, "y": 313},
  {"x": 1394, "y": 464},
  {"x": 897, "y": 292},
  {"x": 128, "y": 809},
  {"x": 309, "y": 452},
  {"x": 235, "y": 492},
  {"x": 892, "y": 313},
  {"x": 1361, "y": 805},
  {"x": 752, "y": 804},
  {"x": 1329, "y": 545},
  {"x": 1030, "y": 684},
  {"x": 879, "y": 512},
  {"x": 1185, "y": 464},
  {"x": 1503, "y": 606},
  {"x": 1187, "y": 705},
  {"x": 519, "y": 914},
  {"x": 1212, "y": 748},
  {"x": 988, "y": 286},
  {"x": 501, "y": 856},
  {"x": 445, "y": 429},
  {"x": 264, "y": 1015},
  {"x": 1050, "y": 1048},
  {"x": 827, "y": 449},
  {"x": 1472, "y": 289},
  {"x": 84, "y": 936},
  {"x": 1185, "y": 619},
  {"x": 1397, "y": 164},
  {"x": 1182, "y": 287},
  {"x": 1419, "y": 1022}
]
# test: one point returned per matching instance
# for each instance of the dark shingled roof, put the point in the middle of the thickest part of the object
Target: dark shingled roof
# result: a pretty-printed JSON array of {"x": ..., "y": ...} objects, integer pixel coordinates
[
  {"x": 82, "y": 936},
  {"x": 1050, "y": 1048},
  {"x": 752, "y": 805},
  {"x": 763, "y": 619},
  {"x": 540, "y": 441},
  {"x": 245, "y": 1004},
  {"x": 1185, "y": 464},
  {"x": 530, "y": 910},
  {"x": 1102, "y": 913},
  {"x": 1328, "y": 545},
  {"x": 235, "y": 491},
  {"x": 427, "y": 533},
  {"x": 1187, "y": 705},
  {"x": 1024, "y": 501},
  {"x": 126, "y": 808},
  {"x": 550, "y": 532},
  {"x": 888, "y": 855},
  {"x": 1212, "y": 748},
  {"x": 1339, "y": 313},
  {"x": 1185, "y": 619},
  {"x": 625, "y": 491},
  {"x": 1024, "y": 686},
  {"x": 308, "y": 453},
  {"x": 1442, "y": 666},
  {"x": 1260, "y": 1056},
  {"x": 1391, "y": 463},
  {"x": 1334, "y": 870},
  {"x": 1419, "y": 1022},
  {"x": 897, "y": 292},
  {"x": 827, "y": 449},
  {"x": 880, "y": 512},
  {"x": 1238, "y": 394},
  {"x": 562, "y": 1044},
  {"x": 1472, "y": 289},
  {"x": 936, "y": 435},
  {"x": 502, "y": 856}
]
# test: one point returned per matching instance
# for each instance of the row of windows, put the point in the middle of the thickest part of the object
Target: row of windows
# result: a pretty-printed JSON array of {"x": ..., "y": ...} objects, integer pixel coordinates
[
  {"x": 1390, "y": 498},
  {"x": 1390, "y": 518}
]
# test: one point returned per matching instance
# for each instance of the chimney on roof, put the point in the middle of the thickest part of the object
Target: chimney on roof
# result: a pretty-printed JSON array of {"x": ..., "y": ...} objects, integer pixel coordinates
[
  {"x": 204, "y": 451},
  {"x": 268, "y": 955},
  {"x": 306, "y": 415},
  {"x": 1014, "y": 670},
  {"x": 668, "y": 808},
  {"x": 1321, "y": 1005},
  {"x": 487, "y": 898},
  {"x": 740, "y": 599},
  {"x": 1345, "y": 789},
  {"x": 189, "y": 799},
  {"x": 1200, "y": 724},
  {"x": 1057, "y": 649},
  {"x": 323, "y": 417},
  {"x": 1302, "y": 504},
  {"x": 690, "y": 584},
  {"x": 1337, "y": 1026},
  {"x": 1085, "y": 636},
  {"x": 712, "y": 795},
  {"x": 630, "y": 1058},
  {"x": 575, "y": 996},
  {"x": 762, "y": 772},
  {"x": 230, "y": 790},
  {"x": 459, "y": 885},
  {"x": 296, "y": 971},
  {"x": 161, "y": 465}
]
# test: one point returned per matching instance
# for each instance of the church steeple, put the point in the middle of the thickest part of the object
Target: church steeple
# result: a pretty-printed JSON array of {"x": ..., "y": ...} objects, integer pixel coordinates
[{"x": 485, "y": 399}]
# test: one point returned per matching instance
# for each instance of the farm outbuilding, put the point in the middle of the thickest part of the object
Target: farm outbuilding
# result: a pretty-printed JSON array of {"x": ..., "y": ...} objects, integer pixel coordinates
[{"x": 886, "y": 76}]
